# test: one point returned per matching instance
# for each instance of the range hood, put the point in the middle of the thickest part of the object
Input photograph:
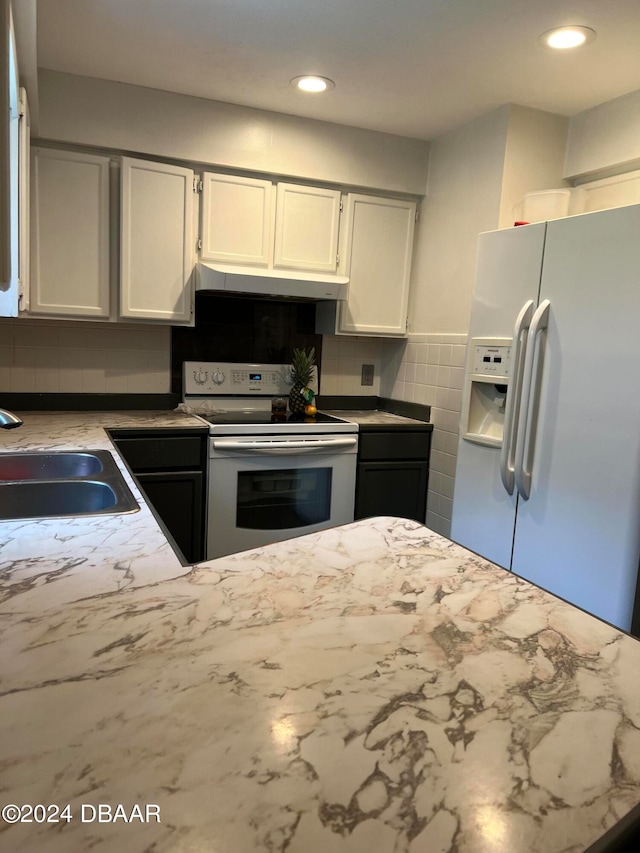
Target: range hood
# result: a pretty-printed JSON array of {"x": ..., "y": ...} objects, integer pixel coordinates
[{"x": 229, "y": 278}]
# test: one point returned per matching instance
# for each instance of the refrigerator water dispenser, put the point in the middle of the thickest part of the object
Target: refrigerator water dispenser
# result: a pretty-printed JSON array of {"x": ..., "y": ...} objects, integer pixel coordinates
[{"x": 485, "y": 391}]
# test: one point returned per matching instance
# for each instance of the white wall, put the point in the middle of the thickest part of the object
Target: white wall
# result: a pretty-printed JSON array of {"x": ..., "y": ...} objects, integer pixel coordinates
[
  {"x": 463, "y": 198},
  {"x": 605, "y": 138},
  {"x": 134, "y": 119},
  {"x": 477, "y": 174},
  {"x": 534, "y": 157},
  {"x": 24, "y": 22}
]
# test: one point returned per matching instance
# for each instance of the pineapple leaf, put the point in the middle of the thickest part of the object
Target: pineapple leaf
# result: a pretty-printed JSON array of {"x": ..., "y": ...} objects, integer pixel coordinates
[{"x": 302, "y": 364}]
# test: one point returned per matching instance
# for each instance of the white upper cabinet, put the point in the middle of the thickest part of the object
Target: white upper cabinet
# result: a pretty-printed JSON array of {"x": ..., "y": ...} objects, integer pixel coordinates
[
  {"x": 377, "y": 241},
  {"x": 24, "y": 166},
  {"x": 251, "y": 222},
  {"x": 307, "y": 224},
  {"x": 70, "y": 234},
  {"x": 237, "y": 220},
  {"x": 10, "y": 166},
  {"x": 157, "y": 246}
]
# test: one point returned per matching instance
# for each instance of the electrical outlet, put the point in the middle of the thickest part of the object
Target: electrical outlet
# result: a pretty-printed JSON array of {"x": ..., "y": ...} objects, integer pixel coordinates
[{"x": 367, "y": 374}]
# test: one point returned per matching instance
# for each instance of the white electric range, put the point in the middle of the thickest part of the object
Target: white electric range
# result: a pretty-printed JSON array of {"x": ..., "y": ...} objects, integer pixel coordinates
[{"x": 270, "y": 477}]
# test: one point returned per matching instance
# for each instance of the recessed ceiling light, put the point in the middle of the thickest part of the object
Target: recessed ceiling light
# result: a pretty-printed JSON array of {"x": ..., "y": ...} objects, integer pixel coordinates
[
  {"x": 563, "y": 38},
  {"x": 312, "y": 84}
]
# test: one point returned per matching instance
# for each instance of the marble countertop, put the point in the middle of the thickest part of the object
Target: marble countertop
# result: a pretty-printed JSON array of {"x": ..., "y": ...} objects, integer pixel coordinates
[
  {"x": 373, "y": 688},
  {"x": 372, "y": 417},
  {"x": 62, "y": 559}
]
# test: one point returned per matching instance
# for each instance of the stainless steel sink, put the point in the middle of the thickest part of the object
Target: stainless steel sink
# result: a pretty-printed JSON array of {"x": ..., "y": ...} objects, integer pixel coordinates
[
  {"x": 48, "y": 466},
  {"x": 66, "y": 483},
  {"x": 57, "y": 497}
]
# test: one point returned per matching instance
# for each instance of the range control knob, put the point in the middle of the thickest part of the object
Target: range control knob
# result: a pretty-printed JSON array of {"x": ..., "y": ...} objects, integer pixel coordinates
[
  {"x": 200, "y": 376},
  {"x": 218, "y": 377}
]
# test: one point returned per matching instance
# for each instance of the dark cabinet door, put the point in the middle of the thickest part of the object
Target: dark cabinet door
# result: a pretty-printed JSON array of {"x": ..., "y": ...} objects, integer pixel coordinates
[
  {"x": 393, "y": 473},
  {"x": 392, "y": 488},
  {"x": 170, "y": 466},
  {"x": 177, "y": 497}
]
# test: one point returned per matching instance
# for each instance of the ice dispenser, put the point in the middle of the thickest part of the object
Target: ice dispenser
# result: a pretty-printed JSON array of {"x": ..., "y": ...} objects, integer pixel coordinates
[{"x": 485, "y": 390}]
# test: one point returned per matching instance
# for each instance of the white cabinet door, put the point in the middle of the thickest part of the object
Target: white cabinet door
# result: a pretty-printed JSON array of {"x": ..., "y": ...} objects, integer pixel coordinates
[
  {"x": 70, "y": 234},
  {"x": 237, "y": 220},
  {"x": 157, "y": 249},
  {"x": 378, "y": 245},
  {"x": 24, "y": 157},
  {"x": 9, "y": 157},
  {"x": 307, "y": 223}
]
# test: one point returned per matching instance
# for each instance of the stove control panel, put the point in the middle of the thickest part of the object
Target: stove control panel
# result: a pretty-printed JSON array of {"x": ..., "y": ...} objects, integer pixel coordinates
[{"x": 205, "y": 378}]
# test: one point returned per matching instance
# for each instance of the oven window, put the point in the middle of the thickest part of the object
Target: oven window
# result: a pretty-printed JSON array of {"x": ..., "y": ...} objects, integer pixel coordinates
[{"x": 291, "y": 497}]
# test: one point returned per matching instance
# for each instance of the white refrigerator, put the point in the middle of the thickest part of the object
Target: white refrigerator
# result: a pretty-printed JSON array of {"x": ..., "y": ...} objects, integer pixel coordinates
[{"x": 548, "y": 472}]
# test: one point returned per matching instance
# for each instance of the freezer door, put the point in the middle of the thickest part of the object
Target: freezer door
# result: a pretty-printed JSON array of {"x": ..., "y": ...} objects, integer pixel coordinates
[
  {"x": 507, "y": 276},
  {"x": 578, "y": 534}
]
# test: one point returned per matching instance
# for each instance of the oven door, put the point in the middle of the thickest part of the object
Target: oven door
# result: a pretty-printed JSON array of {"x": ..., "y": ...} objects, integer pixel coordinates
[{"x": 263, "y": 490}]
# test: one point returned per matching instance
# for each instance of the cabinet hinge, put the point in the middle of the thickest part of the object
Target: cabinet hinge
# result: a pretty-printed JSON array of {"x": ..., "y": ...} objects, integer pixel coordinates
[
  {"x": 406, "y": 325},
  {"x": 341, "y": 204},
  {"x": 199, "y": 243},
  {"x": 197, "y": 184},
  {"x": 417, "y": 215}
]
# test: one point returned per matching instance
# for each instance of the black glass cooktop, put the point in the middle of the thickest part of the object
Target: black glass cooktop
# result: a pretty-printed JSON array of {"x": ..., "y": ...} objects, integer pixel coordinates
[{"x": 267, "y": 418}]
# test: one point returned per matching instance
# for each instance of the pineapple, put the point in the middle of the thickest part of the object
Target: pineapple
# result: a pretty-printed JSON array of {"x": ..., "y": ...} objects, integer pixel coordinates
[{"x": 302, "y": 365}]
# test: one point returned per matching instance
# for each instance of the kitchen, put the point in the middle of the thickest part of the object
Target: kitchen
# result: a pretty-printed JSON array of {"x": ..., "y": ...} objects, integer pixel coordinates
[{"x": 453, "y": 207}]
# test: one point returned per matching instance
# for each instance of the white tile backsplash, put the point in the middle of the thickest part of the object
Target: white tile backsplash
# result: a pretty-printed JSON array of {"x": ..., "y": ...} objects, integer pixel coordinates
[
  {"x": 429, "y": 369},
  {"x": 83, "y": 357},
  {"x": 421, "y": 373},
  {"x": 342, "y": 360},
  {"x": 426, "y": 369},
  {"x": 456, "y": 377}
]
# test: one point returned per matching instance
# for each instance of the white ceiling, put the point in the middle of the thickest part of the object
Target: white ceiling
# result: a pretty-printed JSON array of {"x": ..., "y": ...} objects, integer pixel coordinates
[{"x": 411, "y": 67}]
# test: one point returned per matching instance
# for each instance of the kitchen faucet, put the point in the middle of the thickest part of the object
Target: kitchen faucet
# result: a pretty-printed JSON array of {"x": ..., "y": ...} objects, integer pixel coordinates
[{"x": 8, "y": 420}]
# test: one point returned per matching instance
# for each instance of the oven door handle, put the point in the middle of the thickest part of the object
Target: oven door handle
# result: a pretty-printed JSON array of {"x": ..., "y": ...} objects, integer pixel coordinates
[{"x": 316, "y": 445}]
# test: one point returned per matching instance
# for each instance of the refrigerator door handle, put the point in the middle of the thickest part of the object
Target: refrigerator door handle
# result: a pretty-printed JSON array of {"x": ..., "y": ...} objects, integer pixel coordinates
[
  {"x": 512, "y": 409},
  {"x": 526, "y": 434}
]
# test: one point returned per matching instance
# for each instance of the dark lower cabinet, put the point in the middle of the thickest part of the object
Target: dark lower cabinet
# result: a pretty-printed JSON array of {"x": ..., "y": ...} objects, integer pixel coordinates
[
  {"x": 178, "y": 498},
  {"x": 392, "y": 488},
  {"x": 170, "y": 468},
  {"x": 393, "y": 473}
]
